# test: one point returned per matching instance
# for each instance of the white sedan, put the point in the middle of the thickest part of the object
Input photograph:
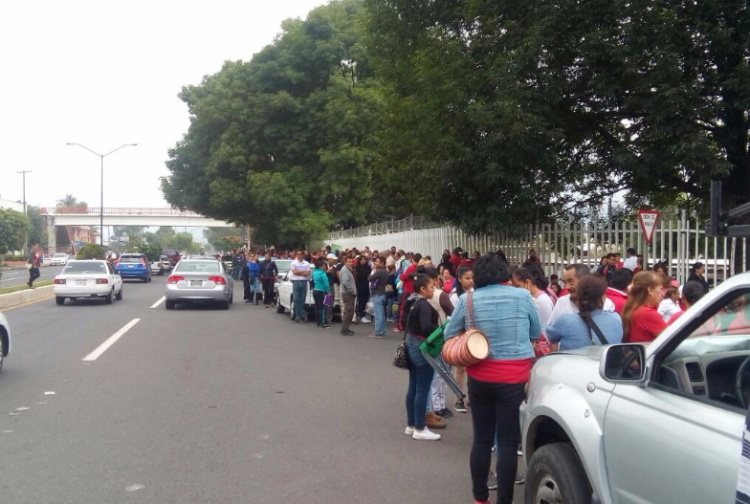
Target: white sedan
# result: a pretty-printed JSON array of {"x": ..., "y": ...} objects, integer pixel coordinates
[
  {"x": 284, "y": 297},
  {"x": 4, "y": 339},
  {"x": 59, "y": 259},
  {"x": 87, "y": 280}
]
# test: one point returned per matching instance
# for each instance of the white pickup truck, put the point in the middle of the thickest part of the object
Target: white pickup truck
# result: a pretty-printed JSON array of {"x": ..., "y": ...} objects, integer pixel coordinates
[{"x": 660, "y": 423}]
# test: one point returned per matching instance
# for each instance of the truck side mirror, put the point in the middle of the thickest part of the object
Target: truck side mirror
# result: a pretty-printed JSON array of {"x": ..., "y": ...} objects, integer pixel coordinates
[{"x": 624, "y": 363}]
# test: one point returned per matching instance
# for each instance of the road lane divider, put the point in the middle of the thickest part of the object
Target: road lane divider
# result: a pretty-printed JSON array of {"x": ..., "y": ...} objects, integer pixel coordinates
[
  {"x": 110, "y": 341},
  {"x": 159, "y": 302}
]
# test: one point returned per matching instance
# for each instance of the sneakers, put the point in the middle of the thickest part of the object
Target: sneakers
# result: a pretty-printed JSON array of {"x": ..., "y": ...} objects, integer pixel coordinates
[
  {"x": 365, "y": 320},
  {"x": 445, "y": 413},
  {"x": 492, "y": 481},
  {"x": 409, "y": 431},
  {"x": 520, "y": 480},
  {"x": 461, "y": 407},
  {"x": 347, "y": 333},
  {"x": 377, "y": 336},
  {"x": 434, "y": 422},
  {"x": 397, "y": 330},
  {"x": 425, "y": 435}
]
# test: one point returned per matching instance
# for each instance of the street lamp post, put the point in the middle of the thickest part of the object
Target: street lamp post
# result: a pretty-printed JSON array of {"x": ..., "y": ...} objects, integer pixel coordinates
[{"x": 101, "y": 188}]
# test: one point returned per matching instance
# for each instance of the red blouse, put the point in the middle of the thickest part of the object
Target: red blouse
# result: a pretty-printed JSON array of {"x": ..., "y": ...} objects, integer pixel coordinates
[{"x": 646, "y": 325}]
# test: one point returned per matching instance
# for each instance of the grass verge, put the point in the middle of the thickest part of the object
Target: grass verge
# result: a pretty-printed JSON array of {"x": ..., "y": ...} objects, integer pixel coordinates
[{"x": 17, "y": 288}]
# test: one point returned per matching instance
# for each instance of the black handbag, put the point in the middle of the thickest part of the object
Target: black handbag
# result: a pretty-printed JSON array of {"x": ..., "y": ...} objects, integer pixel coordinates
[{"x": 401, "y": 360}]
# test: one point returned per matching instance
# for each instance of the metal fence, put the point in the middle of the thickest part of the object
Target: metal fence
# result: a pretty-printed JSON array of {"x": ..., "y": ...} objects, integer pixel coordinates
[{"x": 679, "y": 243}]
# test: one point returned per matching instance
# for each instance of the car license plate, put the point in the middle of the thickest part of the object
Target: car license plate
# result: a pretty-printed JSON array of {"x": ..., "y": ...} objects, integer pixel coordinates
[
  {"x": 196, "y": 283},
  {"x": 81, "y": 282},
  {"x": 130, "y": 266}
]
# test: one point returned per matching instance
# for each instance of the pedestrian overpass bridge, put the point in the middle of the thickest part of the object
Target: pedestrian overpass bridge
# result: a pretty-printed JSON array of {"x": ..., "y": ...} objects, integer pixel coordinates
[{"x": 141, "y": 217}]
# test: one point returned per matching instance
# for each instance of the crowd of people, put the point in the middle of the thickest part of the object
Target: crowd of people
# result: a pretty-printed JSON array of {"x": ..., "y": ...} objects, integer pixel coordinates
[{"x": 519, "y": 308}]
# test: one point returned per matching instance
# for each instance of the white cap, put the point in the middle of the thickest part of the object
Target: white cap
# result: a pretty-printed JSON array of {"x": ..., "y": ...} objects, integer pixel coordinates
[{"x": 331, "y": 256}]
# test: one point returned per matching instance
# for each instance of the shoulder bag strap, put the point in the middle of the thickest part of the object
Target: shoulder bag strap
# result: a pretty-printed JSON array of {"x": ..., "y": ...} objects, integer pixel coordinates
[
  {"x": 408, "y": 318},
  {"x": 469, "y": 310},
  {"x": 602, "y": 339}
]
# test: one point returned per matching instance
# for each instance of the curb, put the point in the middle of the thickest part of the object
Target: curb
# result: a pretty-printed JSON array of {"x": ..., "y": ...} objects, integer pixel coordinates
[{"x": 25, "y": 296}]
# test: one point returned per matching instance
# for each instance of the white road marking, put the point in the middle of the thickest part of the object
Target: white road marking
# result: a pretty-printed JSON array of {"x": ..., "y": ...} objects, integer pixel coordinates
[
  {"x": 160, "y": 301},
  {"x": 111, "y": 341}
]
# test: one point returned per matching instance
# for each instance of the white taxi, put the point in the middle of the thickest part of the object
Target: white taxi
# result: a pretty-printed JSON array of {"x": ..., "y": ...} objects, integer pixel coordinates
[{"x": 86, "y": 280}]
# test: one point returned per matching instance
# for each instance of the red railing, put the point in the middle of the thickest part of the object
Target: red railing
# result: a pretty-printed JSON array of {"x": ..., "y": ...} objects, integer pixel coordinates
[{"x": 119, "y": 211}]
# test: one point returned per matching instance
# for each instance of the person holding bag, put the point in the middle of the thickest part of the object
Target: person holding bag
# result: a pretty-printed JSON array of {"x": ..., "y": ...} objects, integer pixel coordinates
[
  {"x": 420, "y": 320},
  {"x": 268, "y": 273},
  {"x": 591, "y": 325},
  {"x": 508, "y": 318}
]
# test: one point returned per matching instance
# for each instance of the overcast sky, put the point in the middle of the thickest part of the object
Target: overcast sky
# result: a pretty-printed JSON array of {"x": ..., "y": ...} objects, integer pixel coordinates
[{"x": 106, "y": 73}]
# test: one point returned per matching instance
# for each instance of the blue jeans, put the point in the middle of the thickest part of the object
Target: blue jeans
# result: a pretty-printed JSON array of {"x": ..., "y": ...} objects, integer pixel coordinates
[
  {"x": 378, "y": 310},
  {"x": 420, "y": 378},
  {"x": 299, "y": 293}
]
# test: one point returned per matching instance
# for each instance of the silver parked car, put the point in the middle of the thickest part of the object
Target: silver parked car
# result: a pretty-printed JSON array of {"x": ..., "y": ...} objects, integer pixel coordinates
[
  {"x": 199, "y": 280},
  {"x": 660, "y": 423}
]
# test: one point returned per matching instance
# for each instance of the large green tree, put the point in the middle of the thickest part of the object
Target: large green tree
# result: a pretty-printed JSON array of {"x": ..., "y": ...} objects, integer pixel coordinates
[
  {"x": 14, "y": 227},
  {"x": 225, "y": 239},
  {"x": 70, "y": 201},
  {"x": 508, "y": 111},
  {"x": 38, "y": 232},
  {"x": 286, "y": 142}
]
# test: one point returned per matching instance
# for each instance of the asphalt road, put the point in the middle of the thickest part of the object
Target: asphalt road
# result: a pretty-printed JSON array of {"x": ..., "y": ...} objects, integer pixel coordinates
[
  {"x": 206, "y": 406},
  {"x": 15, "y": 277}
]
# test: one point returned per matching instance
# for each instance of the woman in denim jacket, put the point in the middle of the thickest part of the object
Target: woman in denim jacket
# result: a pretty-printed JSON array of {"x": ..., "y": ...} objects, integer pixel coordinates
[{"x": 509, "y": 318}]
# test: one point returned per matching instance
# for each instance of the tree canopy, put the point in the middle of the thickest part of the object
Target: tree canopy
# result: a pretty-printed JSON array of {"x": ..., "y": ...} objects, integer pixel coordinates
[
  {"x": 285, "y": 143},
  {"x": 14, "y": 227},
  {"x": 481, "y": 114},
  {"x": 70, "y": 201}
]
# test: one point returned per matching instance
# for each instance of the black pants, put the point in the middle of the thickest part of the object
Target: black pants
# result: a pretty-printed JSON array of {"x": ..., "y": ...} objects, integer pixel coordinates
[
  {"x": 319, "y": 297},
  {"x": 363, "y": 296},
  {"x": 494, "y": 413},
  {"x": 267, "y": 290},
  {"x": 33, "y": 274},
  {"x": 246, "y": 285}
]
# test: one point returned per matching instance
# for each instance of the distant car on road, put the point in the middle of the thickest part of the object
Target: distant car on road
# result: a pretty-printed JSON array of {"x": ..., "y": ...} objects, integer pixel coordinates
[
  {"x": 199, "y": 280},
  {"x": 4, "y": 339},
  {"x": 87, "y": 280},
  {"x": 59, "y": 259},
  {"x": 173, "y": 256},
  {"x": 134, "y": 266},
  {"x": 655, "y": 423}
]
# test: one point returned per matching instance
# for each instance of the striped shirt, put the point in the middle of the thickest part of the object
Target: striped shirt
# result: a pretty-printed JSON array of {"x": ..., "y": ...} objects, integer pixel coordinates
[{"x": 743, "y": 483}]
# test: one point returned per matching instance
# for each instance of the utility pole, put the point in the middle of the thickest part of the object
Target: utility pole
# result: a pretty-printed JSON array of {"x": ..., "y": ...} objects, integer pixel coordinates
[
  {"x": 26, "y": 234},
  {"x": 24, "y": 172}
]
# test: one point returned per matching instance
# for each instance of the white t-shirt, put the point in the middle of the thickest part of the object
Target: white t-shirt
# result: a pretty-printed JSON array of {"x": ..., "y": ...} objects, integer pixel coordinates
[
  {"x": 544, "y": 307},
  {"x": 565, "y": 305},
  {"x": 630, "y": 263},
  {"x": 667, "y": 308},
  {"x": 454, "y": 297},
  {"x": 299, "y": 266}
]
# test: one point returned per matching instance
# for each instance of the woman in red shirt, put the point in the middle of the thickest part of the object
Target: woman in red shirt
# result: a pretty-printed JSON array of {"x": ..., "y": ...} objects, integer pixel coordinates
[{"x": 641, "y": 322}]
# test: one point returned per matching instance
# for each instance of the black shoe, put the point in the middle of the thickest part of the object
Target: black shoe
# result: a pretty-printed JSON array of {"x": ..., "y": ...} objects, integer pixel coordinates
[
  {"x": 445, "y": 413},
  {"x": 347, "y": 333},
  {"x": 461, "y": 407}
]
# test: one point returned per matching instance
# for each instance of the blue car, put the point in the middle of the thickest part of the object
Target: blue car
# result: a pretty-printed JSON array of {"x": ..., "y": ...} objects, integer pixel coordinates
[{"x": 134, "y": 266}]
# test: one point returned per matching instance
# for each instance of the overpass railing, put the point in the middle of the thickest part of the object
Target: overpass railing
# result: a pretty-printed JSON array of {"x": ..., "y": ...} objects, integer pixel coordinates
[{"x": 119, "y": 211}]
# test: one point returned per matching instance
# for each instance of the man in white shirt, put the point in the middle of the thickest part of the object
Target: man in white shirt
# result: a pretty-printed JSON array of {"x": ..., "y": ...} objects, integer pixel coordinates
[
  {"x": 300, "y": 276},
  {"x": 570, "y": 278},
  {"x": 631, "y": 259}
]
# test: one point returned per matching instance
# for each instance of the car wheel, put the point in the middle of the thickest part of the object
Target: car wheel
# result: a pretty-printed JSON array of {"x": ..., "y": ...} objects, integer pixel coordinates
[
  {"x": 110, "y": 297},
  {"x": 224, "y": 305},
  {"x": 60, "y": 300},
  {"x": 231, "y": 297},
  {"x": 291, "y": 308},
  {"x": 2, "y": 352},
  {"x": 148, "y": 279},
  {"x": 170, "y": 305},
  {"x": 119, "y": 295},
  {"x": 279, "y": 307},
  {"x": 555, "y": 475}
]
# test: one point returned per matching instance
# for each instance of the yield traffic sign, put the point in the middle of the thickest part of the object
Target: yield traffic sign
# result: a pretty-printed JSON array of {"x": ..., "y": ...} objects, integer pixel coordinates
[{"x": 648, "y": 220}]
